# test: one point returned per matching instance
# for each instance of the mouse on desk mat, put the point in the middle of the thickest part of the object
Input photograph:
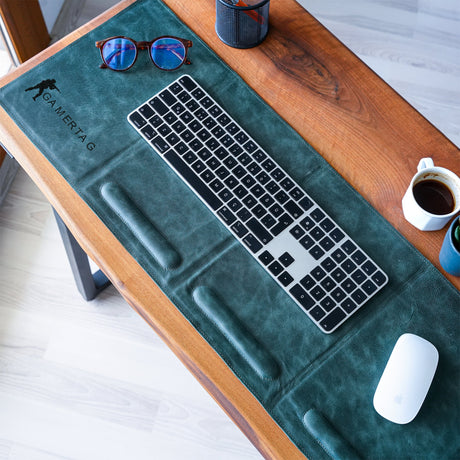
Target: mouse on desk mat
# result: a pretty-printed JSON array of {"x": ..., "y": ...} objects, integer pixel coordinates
[{"x": 406, "y": 379}]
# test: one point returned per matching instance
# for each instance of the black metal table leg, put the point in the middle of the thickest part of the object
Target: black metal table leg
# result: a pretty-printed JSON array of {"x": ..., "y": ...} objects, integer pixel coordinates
[{"x": 89, "y": 284}]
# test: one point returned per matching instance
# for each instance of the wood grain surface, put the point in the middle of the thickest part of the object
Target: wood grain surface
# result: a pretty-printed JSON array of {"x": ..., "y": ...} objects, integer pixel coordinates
[{"x": 359, "y": 124}]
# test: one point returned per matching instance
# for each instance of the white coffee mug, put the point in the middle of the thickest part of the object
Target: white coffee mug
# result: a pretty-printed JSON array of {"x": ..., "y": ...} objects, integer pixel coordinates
[{"x": 414, "y": 208}]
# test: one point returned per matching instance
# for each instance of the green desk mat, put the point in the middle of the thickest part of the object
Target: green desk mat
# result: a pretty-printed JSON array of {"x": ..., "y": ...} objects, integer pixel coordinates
[{"x": 318, "y": 387}]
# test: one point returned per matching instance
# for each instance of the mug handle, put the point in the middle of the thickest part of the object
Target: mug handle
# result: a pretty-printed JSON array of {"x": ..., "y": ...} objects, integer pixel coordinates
[{"x": 425, "y": 163}]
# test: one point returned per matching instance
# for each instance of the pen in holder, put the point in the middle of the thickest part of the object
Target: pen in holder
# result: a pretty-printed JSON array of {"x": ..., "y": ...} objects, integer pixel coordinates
[{"x": 242, "y": 24}]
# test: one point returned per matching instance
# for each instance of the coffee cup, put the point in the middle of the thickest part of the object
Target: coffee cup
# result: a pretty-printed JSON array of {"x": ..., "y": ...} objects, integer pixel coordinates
[{"x": 433, "y": 197}]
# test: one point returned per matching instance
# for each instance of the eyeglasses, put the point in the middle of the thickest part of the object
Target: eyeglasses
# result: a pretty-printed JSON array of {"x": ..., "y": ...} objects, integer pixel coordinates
[{"x": 166, "y": 52}]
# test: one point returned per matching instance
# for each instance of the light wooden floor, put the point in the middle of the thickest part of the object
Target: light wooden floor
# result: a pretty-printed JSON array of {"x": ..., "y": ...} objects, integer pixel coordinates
[{"x": 90, "y": 380}]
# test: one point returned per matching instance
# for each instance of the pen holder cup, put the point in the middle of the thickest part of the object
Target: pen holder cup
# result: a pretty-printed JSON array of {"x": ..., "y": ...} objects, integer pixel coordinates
[
  {"x": 242, "y": 24},
  {"x": 449, "y": 257}
]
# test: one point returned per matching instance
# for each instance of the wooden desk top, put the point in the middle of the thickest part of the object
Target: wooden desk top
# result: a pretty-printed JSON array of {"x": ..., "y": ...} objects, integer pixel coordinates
[{"x": 368, "y": 133}]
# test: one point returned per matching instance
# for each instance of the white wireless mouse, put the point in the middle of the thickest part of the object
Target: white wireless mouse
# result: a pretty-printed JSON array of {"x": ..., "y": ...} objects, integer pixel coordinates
[{"x": 406, "y": 379}]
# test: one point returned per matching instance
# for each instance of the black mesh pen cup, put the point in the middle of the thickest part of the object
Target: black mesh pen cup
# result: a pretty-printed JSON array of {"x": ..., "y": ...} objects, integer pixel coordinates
[{"x": 242, "y": 24}]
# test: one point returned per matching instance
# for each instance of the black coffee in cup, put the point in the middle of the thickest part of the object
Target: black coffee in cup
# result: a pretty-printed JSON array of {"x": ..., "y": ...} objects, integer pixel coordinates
[{"x": 434, "y": 197}]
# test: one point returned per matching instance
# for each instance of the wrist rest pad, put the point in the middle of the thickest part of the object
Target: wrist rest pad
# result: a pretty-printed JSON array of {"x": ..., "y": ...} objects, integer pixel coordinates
[{"x": 317, "y": 387}]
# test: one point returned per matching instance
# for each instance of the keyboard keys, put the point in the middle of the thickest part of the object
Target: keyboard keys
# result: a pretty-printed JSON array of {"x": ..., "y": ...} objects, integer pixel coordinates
[
  {"x": 285, "y": 279},
  {"x": 348, "y": 305},
  {"x": 232, "y": 128},
  {"x": 349, "y": 247},
  {"x": 296, "y": 193},
  {"x": 223, "y": 120},
  {"x": 297, "y": 232},
  {"x": 317, "y": 214},
  {"x": 318, "y": 273},
  {"x": 276, "y": 268},
  {"x": 316, "y": 252},
  {"x": 281, "y": 197},
  {"x": 358, "y": 296},
  {"x": 148, "y": 132},
  {"x": 339, "y": 275},
  {"x": 226, "y": 215},
  {"x": 286, "y": 259},
  {"x": 197, "y": 184},
  {"x": 198, "y": 93},
  {"x": 307, "y": 282},
  {"x": 316, "y": 233},
  {"x": 307, "y": 242},
  {"x": 187, "y": 82},
  {"x": 327, "y": 225},
  {"x": 358, "y": 276},
  {"x": 293, "y": 209},
  {"x": 256, "y": 227},
  {"x": 379, "y": 278},
  {"x": 189, "y": 157},
  {"x": 338, "y": 255},
  {"x": 183, "y": 96},
  {"x": 225, "y": 194},
  {"x": 160, "y": 144},
  {"x": 307, "y": 223},
  {"x": 277, "y": 174},
  {"x": 317, "y": 293},
  {"x": 348, "y": 285},
  {"x": 358, "y": 257},
  {"x": 283, "y": 223},
  {"x": 328, "y": 264},
  {"x": 368, "y": 287},
  {"x": 317, "y": 313},
  {"x": 333, "y": 319},
  {"x": 268, "y": 165},
  {"x": 266, "y": 258},
  {"x": 327, "y": 304},
  {"x": 158, "y": 106},
  {"x": 369, "y": 267},
  {"x": 326, "y": 243},
  {"x": 337, "y": 235},
  {"x": 305, "y": 203},
  {"x": 252, "y": 243},
  {"x": 167, "y": 97},
  {"x": 302, "y": 297},
  {"x": 328, "y": 284},
  {"x": 250, "y": 146},
  {"x": 137, "y": 119},
  {"x": 276, "y": 210},
  {"x": 234, "y": 204},
  {"x": 348, "y": 266},
  {"x": 243, "y": 214},
  {"x": 239, "y": 229},
  {"x": 268, "y": 221},
  {"x": 176, "y": 88},
  {"x": 311, "y": 258}
]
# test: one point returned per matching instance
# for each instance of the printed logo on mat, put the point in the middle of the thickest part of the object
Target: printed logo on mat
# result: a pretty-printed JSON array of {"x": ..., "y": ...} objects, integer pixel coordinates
[
  {"x": 45, "y": 84},
  {"x": 51, "y": 101}
]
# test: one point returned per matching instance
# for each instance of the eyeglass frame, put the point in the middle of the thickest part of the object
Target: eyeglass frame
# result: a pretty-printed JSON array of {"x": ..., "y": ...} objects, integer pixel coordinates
[{"x": 144, "y": 45}]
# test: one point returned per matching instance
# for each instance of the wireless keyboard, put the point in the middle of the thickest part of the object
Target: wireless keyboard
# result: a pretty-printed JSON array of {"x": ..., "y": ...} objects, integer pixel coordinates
[{"x": 282, "y": 227}]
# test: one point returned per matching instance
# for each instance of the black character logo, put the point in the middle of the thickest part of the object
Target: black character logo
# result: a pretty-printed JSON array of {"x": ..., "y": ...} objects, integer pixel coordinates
[{"x": 45, "y": 84}]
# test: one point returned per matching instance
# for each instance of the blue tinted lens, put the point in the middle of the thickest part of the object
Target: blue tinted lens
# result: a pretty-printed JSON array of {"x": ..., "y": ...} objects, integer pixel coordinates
[
  {"x": 167, "y": 53},
  {"x": 119, "y": 53}
]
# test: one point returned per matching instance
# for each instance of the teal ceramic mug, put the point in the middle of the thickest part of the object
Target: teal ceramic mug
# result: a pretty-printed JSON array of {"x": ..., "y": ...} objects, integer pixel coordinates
[{"x": 449, "y": 257}]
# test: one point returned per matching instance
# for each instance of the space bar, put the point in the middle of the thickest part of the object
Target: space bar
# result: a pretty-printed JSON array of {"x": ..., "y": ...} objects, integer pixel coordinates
[{"x": 203, "y": 191}]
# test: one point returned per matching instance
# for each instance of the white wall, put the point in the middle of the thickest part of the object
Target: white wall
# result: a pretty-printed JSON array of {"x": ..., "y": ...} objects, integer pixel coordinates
[{"x": 50, "y": 10}]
